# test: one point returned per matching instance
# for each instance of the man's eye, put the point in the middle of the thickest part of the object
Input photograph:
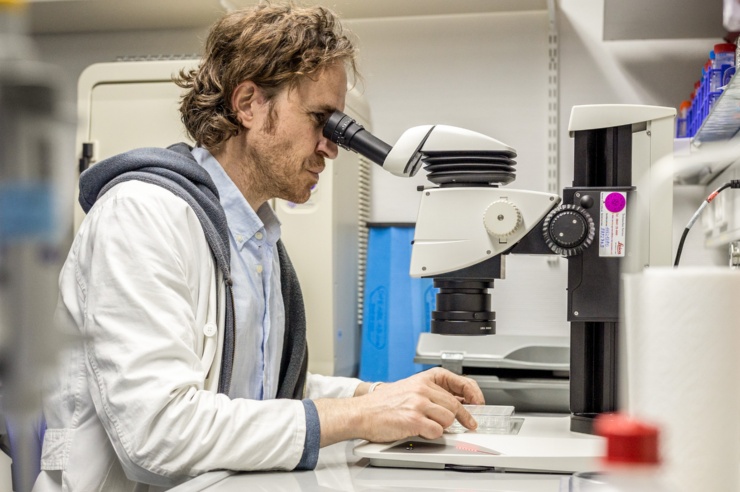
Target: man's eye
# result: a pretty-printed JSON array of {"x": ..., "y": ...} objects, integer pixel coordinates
[{"x": 319, "y": 118}]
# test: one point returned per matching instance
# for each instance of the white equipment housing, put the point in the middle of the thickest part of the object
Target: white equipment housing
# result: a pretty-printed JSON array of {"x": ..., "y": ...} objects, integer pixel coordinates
[
  {"x": 652, "y": 141},
  {"x": 126, "y": 105},
  {"x": 453, "y": 231}
]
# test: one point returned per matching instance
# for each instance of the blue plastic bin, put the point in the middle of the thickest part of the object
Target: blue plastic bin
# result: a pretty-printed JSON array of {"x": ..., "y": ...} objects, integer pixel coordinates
[{"x": 397, "y": 308}]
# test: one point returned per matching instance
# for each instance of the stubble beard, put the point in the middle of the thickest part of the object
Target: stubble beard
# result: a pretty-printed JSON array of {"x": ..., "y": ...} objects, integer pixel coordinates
[{"x": 273, "y": 176}]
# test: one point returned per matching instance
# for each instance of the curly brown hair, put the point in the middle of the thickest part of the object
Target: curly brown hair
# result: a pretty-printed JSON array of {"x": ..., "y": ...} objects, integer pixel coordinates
[{"x": 273, "y": 46}]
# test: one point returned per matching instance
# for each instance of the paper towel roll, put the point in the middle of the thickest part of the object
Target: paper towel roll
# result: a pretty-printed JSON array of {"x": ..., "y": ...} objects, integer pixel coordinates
[{"x": 682, "y": 354}]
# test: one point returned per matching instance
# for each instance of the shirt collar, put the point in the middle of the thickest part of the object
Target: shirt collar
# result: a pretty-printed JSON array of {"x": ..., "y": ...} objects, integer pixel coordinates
[{"x": 242, "y": 219}]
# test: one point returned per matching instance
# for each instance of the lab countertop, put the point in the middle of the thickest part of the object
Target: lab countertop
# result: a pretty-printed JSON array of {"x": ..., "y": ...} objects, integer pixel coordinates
[{"x": 339, "y": 469}]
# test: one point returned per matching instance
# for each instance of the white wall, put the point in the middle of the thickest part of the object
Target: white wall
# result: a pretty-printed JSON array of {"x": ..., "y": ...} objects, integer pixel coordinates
[{"x": 482, "y": 72}]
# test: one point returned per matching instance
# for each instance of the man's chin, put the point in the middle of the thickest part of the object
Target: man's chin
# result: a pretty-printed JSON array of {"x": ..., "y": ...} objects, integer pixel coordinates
[{"x": 298, "y": 199}]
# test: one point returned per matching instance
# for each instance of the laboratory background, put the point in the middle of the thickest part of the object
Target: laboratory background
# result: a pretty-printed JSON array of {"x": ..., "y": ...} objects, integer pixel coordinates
[{"x": 513, "y": 70}]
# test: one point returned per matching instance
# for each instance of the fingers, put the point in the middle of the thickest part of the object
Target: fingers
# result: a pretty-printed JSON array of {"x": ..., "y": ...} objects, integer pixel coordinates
[
  {"x": 437, "y": 419},
  {"x": 431, "y": 430},
  {"x": 444, "y": 398},
  {"x": 467, "y": 420},
  {"x": 441, "y": 415},
  {"x": 402, "y": 410},
  {"x": 447, "y": 392},
  {"x": 458, "y": 385},
  {"x": 422, "y": 405},
  {"x": 448, "y": 409},
  {"x": 445, "y": 416}
]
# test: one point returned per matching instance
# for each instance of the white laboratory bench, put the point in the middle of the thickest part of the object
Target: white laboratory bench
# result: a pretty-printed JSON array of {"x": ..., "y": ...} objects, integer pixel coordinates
[{"x": 340, "y": 470}]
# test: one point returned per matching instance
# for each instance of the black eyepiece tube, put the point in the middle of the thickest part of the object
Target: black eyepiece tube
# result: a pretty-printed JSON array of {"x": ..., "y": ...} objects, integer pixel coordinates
[{"x": 350, "y": 135}]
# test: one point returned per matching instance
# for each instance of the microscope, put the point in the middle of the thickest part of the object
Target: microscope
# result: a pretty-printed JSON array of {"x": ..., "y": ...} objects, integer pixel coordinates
[{"x": 468, "y": 222}]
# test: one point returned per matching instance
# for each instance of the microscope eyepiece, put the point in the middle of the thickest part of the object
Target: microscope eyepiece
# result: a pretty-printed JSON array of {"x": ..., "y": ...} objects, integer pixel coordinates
[{"x": 350, "y": 135}]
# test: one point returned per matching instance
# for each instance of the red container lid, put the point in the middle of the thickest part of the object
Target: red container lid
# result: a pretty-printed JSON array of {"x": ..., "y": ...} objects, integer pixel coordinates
[
  {"x": 685, "y": 105},
  {"x": 628, "y": 441},
  {"x": 724, "y": 48}
]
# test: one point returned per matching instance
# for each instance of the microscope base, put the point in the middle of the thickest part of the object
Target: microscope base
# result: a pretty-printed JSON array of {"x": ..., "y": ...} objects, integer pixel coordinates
[{"x": 542, "y": 444}]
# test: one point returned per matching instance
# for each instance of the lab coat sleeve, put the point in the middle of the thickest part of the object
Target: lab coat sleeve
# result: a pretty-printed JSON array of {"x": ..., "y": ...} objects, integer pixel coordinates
[
  {"x": 138, "y": 277},
  {"x": 319, "y": 386}
]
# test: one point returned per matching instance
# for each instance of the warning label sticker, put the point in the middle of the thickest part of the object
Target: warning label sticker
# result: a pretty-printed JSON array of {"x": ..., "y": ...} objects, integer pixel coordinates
[{"x": 612, "y": 223}]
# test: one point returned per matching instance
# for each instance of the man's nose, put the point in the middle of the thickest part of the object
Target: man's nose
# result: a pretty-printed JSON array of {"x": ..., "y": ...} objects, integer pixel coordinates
[{"x": 327, "y": 148}]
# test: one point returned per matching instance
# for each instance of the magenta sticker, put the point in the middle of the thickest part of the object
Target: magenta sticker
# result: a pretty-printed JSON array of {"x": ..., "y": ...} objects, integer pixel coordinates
[{"x": 615, "y": 202}]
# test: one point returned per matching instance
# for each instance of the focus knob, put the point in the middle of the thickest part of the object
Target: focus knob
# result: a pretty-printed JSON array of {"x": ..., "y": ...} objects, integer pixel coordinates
[
  {"x": 568, "y": 230},
  {"x": 502, "y": 218}
]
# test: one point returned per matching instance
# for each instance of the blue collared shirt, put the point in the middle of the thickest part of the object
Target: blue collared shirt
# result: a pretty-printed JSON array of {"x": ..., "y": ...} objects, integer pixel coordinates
[{"x": 258, "y": 301}]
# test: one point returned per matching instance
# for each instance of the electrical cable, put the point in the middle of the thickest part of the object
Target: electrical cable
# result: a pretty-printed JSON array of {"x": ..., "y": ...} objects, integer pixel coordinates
[{"x": 735, "y": 183}]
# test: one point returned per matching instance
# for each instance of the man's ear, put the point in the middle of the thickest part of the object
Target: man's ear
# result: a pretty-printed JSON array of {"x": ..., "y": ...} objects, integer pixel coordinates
[{"x": 247, "y": 99}]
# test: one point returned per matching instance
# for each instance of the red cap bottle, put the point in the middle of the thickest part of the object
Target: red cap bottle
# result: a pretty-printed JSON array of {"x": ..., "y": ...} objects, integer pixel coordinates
[
  {"x": 631, "y": 462},
  {"x": 628, "y": 441}
]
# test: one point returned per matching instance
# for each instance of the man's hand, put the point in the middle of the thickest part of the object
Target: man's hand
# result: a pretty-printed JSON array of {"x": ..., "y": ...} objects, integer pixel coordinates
[{"x": 422, "y": 405}]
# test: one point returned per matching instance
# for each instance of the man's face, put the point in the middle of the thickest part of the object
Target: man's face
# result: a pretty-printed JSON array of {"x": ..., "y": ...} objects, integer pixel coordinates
[{"x": 289, "y": 154}]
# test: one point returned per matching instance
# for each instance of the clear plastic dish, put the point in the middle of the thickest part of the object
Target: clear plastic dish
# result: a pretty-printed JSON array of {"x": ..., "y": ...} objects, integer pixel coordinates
[{"x": 492, "y": 419}]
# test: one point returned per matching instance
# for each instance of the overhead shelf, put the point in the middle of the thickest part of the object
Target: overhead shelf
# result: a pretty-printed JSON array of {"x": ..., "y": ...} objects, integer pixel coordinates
[
  {"x": 722, "y": 124},
  {"x": 662, "y": 19}
]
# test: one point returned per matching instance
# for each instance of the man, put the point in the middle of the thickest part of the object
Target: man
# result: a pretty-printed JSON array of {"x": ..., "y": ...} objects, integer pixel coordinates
[{"x": 193, "y": 352}]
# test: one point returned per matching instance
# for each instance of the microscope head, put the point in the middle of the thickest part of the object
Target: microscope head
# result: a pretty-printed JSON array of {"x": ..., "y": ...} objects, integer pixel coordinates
[{"x": 452, "y": 156}]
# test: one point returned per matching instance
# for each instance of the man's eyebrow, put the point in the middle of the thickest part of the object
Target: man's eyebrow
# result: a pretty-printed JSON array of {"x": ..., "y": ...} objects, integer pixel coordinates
[{"x": 324, "y": 108}]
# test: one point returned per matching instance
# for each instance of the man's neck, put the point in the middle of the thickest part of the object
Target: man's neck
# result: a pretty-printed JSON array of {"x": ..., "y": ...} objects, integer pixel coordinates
[{"x": 233, "y": 156}]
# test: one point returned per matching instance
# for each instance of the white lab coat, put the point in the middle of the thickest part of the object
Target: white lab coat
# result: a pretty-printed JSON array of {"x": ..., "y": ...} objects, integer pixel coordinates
[{"x": 136, "y": 401}]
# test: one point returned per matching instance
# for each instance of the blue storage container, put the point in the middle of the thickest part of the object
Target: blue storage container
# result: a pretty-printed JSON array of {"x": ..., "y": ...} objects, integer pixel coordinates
[{"x": 397, "y": 308}]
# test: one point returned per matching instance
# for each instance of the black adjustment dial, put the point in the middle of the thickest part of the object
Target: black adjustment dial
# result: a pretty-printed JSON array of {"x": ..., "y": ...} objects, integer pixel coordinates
[{"x": 568, "y": 230}]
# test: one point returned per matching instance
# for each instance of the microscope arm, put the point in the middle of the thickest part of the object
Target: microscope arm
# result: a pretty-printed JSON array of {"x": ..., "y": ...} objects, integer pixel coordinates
[{"x": 460, "y": 227}]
